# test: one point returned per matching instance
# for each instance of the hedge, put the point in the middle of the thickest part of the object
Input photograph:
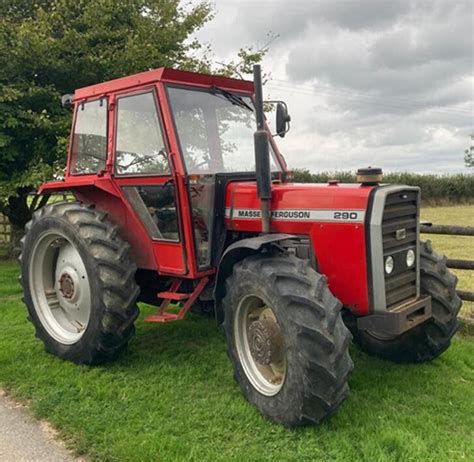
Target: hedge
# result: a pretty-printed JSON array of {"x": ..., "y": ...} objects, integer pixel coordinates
[{"x": 455, "y": 188}]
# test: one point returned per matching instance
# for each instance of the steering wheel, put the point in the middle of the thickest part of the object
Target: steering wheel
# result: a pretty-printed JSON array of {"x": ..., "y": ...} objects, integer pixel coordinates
[
  {"x": 204, "y": 162},
  {"x": 145, "y": 158}
]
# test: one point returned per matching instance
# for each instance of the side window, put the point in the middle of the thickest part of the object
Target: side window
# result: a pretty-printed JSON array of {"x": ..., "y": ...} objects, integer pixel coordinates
[
  {"x": 140, "y": 148},
  {"x": 202, "y": 201},
  {"x": 194, "y": 138},
  {"x": 89, "y": 143},
  {"x": 156, "y": 207}
]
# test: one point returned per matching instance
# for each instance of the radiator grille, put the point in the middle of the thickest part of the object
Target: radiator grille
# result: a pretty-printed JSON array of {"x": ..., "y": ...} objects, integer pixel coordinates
[{"x": 399, "y": 231}]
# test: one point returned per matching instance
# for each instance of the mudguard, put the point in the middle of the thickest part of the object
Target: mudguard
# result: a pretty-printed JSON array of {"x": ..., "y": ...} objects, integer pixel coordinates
[{"x": 239, "y": 250}]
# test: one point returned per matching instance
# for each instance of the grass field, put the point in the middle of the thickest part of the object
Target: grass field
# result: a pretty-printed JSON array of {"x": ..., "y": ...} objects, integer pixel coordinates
[
  {"x": 171, "y": 396},
  {"x": 454, "y": 246}
]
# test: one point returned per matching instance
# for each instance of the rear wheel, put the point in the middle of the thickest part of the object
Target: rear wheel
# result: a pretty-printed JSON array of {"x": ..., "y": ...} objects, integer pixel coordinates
[
  {"x": 428, "y": 340},
  {"x": 286, "y": 339},
  {"x": 78, "y": 283}
]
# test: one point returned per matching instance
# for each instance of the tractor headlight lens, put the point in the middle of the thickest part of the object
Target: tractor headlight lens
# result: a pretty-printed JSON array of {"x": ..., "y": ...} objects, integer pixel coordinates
[
  {"x": 410, "y": 258},
  {"x": 389, "y": 264}
]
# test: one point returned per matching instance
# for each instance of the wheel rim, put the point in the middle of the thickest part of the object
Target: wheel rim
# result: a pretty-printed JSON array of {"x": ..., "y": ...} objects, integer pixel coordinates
[
  {"x": 59, "y": 287},
  {"x": 260, "y": 345}
]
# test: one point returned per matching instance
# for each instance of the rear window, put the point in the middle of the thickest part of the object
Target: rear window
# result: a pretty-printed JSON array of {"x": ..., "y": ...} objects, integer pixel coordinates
[{"x": 89, "y": 143}]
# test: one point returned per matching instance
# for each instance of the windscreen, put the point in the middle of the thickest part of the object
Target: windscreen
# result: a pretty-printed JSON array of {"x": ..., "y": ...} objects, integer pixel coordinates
[{"x": 215, "y": 131}]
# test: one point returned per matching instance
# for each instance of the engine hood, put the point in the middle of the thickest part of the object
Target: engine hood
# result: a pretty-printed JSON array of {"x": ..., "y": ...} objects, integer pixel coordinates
[{"x": 304, "y": 202}]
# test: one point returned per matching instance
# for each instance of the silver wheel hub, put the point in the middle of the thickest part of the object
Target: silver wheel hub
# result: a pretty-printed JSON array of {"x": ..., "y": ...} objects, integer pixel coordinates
[
  {"x": 60, "y": 287},
  {"x": 260, "y": 345}
]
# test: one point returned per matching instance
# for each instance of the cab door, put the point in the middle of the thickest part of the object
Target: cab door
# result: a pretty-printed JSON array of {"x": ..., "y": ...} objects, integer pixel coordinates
[{"x": 142, "y": 171}]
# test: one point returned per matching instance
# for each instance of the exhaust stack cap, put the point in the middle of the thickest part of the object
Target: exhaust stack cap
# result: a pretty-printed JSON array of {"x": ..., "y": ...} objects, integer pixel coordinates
[{"x": 369, "y": 176}]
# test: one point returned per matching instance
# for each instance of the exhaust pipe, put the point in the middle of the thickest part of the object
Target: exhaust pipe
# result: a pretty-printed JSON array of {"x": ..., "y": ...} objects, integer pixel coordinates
[{"x": 262, "y": 155}]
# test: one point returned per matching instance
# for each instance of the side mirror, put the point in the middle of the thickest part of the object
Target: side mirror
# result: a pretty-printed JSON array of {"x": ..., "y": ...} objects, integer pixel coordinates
[
  {"x": 282, "y": 119},
  {"x": 66, "y": 101}
]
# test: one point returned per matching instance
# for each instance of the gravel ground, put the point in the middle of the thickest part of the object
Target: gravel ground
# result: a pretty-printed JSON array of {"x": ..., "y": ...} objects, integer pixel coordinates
[{"x": 24, "y": 439}]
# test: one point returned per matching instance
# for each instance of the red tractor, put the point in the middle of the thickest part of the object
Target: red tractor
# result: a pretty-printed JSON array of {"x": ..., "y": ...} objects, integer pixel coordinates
[{"x": 179, "y": 204}]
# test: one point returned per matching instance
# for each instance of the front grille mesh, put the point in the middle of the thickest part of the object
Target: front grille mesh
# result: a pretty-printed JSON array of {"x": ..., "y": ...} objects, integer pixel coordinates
[{"x": 400, "y": 214}]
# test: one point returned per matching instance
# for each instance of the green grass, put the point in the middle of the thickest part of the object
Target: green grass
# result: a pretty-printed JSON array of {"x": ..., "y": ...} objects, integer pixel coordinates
[
  {"x": 461, "y": 247},
  {"x": 171, "y": 396}
]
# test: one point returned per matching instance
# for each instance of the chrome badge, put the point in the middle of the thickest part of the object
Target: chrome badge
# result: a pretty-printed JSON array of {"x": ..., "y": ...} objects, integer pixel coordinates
[{"x": 400, "y": 234}]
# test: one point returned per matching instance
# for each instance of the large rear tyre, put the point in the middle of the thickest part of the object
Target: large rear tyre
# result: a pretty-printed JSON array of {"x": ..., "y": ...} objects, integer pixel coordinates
[
  {"x": 78, "y": 283},
  {"x": 428, "y": 340},
  {"x": 286, "y": 339}
]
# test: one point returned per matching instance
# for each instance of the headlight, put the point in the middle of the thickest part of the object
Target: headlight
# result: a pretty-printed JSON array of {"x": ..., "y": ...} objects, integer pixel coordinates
[
  {"x": 410, "y": 258},
  {"x": 389, "y": 265}
]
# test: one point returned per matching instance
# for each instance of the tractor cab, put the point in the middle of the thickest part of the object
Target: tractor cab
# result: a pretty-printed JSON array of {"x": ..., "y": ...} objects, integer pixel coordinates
[{"x": 170, "y": 141}]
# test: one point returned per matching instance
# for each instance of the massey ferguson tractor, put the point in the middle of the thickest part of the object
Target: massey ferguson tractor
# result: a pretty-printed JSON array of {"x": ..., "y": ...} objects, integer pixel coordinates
[{"x": 180, "y": 203}]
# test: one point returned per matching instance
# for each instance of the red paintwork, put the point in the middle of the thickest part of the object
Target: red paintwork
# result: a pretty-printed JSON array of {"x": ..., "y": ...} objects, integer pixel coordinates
[
  {"x": 340, "y": 247},
  {"x": 165, "y": 75}
]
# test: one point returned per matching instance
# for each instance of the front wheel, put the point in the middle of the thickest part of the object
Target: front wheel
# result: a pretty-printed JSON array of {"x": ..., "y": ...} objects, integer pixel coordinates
[
  {"x": 286, "y": 339},
  {"x": 428, "y": 340}
]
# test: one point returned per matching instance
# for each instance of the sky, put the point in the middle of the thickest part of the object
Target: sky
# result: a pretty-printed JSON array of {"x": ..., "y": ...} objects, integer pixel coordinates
[{"x": 386, "y": 83}]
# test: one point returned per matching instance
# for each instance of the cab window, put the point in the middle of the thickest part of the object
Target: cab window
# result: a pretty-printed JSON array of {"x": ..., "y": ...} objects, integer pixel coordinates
[
  {"x": 140, "y": 148},
  {"x": 215, "y": 131},
  {"x": 89, "y": 142}
]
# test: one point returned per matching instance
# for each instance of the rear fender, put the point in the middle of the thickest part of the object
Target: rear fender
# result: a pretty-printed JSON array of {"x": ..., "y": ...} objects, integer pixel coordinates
[
  {"x": 105, "y": 196},
  {"x": 78, "y": 184}
]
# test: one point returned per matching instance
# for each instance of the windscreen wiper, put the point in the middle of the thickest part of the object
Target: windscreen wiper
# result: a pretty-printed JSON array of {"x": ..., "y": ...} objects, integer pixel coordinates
[{"x": 234, "y": 99}]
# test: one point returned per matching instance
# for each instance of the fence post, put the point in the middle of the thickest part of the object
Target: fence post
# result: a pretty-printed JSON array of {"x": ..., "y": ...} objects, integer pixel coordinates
[
  {"x": 449, "y": 230},
  {"x": 5, "y": 230}
]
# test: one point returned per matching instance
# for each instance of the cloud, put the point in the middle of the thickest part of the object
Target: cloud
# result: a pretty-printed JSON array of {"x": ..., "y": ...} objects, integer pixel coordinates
[
  {"x": 386, "y": 81},
  {"x": 291, "y": 19}
]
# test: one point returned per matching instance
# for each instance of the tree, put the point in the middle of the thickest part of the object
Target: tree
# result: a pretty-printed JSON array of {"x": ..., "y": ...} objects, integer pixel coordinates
[
  {"x": 51, "y": 47},
  {"x": 469, "y": 154}
]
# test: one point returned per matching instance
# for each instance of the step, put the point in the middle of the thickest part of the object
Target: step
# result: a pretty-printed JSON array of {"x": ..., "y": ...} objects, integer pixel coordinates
[
  {"x": 173, "y": 296},
  {"x": 165, "y": 317}
]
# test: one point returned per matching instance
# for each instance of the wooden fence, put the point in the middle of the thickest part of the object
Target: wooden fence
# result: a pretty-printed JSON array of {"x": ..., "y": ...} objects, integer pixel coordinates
[
  {"x": 449, "y": 230},
  {"x": 5, "y": 229}
]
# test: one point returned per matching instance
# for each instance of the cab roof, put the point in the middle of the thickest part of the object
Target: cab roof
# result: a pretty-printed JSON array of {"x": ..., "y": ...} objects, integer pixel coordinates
[{"x": 165, "y": 75}]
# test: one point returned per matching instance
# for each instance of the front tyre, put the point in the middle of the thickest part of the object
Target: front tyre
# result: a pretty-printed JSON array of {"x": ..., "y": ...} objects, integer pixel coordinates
[
  {"x": 428, "y": 340},
  {"x": 286, "y": 339},
  {"x": 78, "y": 283}
]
